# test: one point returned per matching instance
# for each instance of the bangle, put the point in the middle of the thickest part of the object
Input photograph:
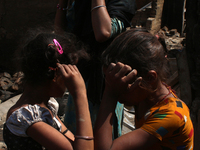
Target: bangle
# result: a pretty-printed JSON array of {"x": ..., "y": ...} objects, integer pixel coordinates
[
  {"x": 97, "y": 7},
  {"x": 58, "y": 6},
  {"x": 84, "y": 137},
  {"x": 65, "y": 131}
]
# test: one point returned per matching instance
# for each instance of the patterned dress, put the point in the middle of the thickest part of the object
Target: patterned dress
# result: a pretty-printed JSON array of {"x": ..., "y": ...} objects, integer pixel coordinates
[{"x": 170, "y": 122}]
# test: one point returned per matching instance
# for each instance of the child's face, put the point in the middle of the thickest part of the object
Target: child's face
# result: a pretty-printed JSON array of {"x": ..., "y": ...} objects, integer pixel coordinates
[{"x": 133, "y": 97}]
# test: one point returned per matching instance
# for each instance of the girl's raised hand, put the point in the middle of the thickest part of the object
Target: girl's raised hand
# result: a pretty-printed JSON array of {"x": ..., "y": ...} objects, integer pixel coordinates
[
  {"x": 120, "y": 78},
  {"x": 72, "y": 79}
]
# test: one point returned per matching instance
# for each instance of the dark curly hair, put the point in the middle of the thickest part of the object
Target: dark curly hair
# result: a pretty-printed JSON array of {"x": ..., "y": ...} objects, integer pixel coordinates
[{"x": 38, "y": 54}]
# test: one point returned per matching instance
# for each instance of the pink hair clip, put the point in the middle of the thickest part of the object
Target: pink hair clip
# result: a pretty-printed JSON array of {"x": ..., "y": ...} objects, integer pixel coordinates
[
  {"x": 157, "y": 36},
  {"x": 59, "y": 48}
]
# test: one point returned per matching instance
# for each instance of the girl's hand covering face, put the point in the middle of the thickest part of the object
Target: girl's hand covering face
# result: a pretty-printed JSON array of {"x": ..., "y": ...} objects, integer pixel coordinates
[
  {"x": 120, "y": 79},
  {"x": 72, "y": 79}
]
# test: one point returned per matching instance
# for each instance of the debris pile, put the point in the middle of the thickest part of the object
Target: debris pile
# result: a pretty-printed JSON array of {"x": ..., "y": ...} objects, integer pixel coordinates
[
  {"x": 173, "y": 39},
  {"x": 10, "y": 85}
]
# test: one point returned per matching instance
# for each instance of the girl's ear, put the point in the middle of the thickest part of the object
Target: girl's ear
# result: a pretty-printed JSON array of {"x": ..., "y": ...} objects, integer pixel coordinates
[{"x": 151, "y": 76}]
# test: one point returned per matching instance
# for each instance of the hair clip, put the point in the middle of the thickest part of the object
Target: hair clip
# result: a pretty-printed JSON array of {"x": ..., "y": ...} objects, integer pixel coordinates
[
  {"x": 52, "y": 68},
  {"x": 50, "y": 44},
  {"x": 59, "y": 48}
]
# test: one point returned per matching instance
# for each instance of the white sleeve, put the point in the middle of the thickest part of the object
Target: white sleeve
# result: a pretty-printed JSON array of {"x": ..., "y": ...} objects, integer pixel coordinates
[
  {"x": 22, "y": 118},
  {"x": 54, "y": 106}
]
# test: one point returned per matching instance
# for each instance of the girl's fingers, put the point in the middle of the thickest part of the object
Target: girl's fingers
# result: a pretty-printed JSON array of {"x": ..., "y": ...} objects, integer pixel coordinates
[
  {"x": 110, "y": 67},
  {"x": 130, "y": 78},
  {"x": 71, "y": 67},
  {"x": 135, "y": 84},
  {"x": 117, "y": 68},
  {"x": 68, "y": 70},
  {"x": 124, "y": 70},
  {"x": 120, "y": 70},
  {"x": 64, "y": 69},
  {"x": 75, "y": 68},
  {"x": 61, "y": 69}
]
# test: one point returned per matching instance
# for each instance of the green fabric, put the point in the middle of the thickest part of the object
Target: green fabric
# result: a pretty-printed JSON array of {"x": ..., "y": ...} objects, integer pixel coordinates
[
  {"x": 70, "y": 116},
  {"x": 117, "y": 27}
]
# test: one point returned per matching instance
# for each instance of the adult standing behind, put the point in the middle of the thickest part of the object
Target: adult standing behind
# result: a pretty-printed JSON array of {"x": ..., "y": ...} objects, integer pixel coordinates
[{"x": 96, "y": 23}]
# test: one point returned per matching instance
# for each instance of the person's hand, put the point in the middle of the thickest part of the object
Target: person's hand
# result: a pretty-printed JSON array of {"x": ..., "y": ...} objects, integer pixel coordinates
[
  {"x": 72, "y": 78},
  {"x": 120, "y": 79}
]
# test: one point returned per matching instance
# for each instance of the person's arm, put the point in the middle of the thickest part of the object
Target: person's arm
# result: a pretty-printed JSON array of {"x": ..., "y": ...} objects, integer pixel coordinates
[
  {"x": 48, "y": 136},
  {"x": 65, "y": 131},
  {"x": 101, "y": 21},
  {"x": 76, "y": 86},
  {"x": 60, "y": 18},
  {"x": 52, "y": 139},
  {"x": 117, "y": 83}
]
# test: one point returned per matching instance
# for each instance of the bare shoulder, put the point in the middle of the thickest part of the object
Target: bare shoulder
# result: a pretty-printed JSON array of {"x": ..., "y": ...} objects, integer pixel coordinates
[
  {"x": 11, "y": 110},
  {"x": 14, "y": 108}
]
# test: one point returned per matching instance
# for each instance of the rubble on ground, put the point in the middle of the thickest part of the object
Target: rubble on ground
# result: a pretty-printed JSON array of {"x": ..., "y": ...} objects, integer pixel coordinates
[{"x": 10, "y": 85}]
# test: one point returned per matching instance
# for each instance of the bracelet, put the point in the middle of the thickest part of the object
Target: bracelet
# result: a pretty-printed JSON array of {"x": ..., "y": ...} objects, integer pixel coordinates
[
  {"x": 58, "y": 6},
  {"x": 65, "y": 131},
  {"x": 97, "y": 7},
  {"x": 84, "y": 137}
]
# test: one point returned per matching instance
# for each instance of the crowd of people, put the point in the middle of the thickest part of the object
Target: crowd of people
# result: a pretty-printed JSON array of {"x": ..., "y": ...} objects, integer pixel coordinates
[{"x": 104, "y": 66}]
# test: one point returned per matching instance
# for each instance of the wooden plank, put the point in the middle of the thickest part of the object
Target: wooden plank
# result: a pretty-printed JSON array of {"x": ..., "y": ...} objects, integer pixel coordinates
[
  {"x": 173, "y": 80},
  {"x": 141, "y": 3},
  {"x": 157, "y": 6}
]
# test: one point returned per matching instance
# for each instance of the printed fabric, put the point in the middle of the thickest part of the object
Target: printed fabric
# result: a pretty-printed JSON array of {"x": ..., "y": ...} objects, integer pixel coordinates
[{"x": 170, "y": 122}]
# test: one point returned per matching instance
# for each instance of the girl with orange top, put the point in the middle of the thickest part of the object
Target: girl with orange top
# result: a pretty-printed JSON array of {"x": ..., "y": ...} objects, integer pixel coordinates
[{"x": 135, "y": 69}]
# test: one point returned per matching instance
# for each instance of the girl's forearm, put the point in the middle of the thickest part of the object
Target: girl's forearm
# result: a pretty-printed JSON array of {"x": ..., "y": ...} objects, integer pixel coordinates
[
  {"x": 84, "y": 131},
  {"x": 103, "y": 125}
]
